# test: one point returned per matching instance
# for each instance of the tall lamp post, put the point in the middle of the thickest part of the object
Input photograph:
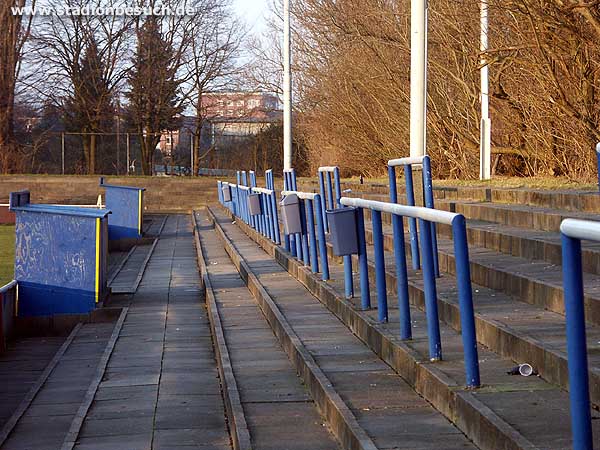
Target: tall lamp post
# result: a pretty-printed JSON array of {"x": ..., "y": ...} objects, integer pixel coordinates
[
  {"x": 418, "y": 77},
  {"x": 485, "y": 130},
  {"x": 287, "y": 88}
]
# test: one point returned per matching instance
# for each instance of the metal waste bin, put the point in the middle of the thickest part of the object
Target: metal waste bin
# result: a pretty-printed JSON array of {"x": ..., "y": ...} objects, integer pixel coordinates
[
  {"x": 290, "y": 213},
  {"x": 226, "y": 193},
  {"x": 342, "y": 229},
  {"x": 60, "y": 257},
  {"x": 126, "y": 204},
  {"x": 254, "y": 204}
]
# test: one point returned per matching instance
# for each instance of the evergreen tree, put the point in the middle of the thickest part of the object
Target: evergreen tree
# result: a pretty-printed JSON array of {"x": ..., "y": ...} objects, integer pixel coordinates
[{"x": 154, "y": 103}]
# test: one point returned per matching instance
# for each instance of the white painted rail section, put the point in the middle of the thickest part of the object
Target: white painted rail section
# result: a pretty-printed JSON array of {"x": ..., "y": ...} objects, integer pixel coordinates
[
  {"x": 417, "y": 212},
  {"x": 406, "y": 161},
  {"x": 327, "y": 168},
  {"x": 8, "y": 287},
  {"x": 581, "y": 229},
  {"x": 301, "y": 195},
  {"x": 262, "y": 190}
]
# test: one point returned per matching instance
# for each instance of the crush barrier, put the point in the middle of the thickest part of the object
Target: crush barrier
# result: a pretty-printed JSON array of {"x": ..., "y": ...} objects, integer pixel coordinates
[
  {"x": 264, "y": 218},
  {"x": 8, "y": 312},
  {"x": 573, "y": 231},
  {"x": 426, "y": 217},
  {"x": 326, "y": 187},
  {"x": 408, "y": 164}
]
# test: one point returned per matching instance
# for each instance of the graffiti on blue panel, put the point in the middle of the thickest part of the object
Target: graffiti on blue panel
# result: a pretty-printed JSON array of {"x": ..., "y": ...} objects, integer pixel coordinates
[{"x": 55, "y": 250}]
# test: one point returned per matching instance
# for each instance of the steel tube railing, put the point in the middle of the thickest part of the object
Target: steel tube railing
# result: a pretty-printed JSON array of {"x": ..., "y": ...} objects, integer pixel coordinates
[
  {"x": 426, "y": 217},
  {"x": 573, "y": 231}
]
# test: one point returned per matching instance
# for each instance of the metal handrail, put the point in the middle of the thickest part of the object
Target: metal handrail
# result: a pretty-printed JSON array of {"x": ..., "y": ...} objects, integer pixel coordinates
[
  {"x": 327, "y": 168},
  {"x": 406, "y": 161},
  {"x": 301, "y": 195},
  {"x": 416, "y": 212},
  {"x": 8, "y": 287},
  {"x": 581, "y": 229}
]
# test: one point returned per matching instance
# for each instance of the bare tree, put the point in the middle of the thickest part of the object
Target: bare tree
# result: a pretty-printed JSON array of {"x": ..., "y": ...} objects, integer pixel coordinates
[{"x": 15, "y": 32}]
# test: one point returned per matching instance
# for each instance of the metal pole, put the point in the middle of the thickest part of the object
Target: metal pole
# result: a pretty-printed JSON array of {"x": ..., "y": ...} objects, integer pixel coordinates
[
  {"x": 412, "y": 222},
  {"x": 63, "y": 154},
  {"x": 581, "y": 421},
  {"x": 310, "y": 223},
  {"x": 465, "y": 300},
  {"x": 428, "y": 200},
  {"x": 485, "y": 153},
  {"x": 598, "y": 159},
  {"x": 431, "y": 309},
  {"x": 363, "y": 262},
  {"x": 321, "y": 237},
  {"x": 287, "y": 88},
  {"x": 192, "y": 154},
  {"x": 380, "y": 281},
  {"x": 128, "y": 160},
  {"x": 418, "y": 77}
]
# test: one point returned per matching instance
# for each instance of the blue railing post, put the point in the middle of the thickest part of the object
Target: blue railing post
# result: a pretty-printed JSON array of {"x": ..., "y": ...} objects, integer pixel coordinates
[
  {"x": 321, "y": 237},
  {"x": 323, "y": 199},
  {"x": 598, "y": 162},
  {"x": 465, "y": 301},
  {"x": 380, "y": 281},
  {"x": 310, "y": 224},
  {"x": 412, "y": 223},
  {"x": 363, "y": 261},
  {"x": 428, "y": 200},
  {"x": 329, "y": 192},
  {"x": 581, "y": 421},
  {"x": 304, "y": 234},
  {"x": 400, "y": 262},
  {"x": 431, "y": 309},
  {"x": 273, "y": 198}
]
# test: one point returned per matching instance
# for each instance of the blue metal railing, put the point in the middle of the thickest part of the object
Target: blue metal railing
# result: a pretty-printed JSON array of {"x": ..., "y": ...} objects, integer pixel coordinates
[
  {"x": 267, "y": 221},
  {"x": 573, "y": 231},
  {"x": 313, "y": 232},
  {"x": 326, "y": 189},
  {"x": 292, "y": 243},
  {"x": 8, "y": 311},
  {"x": 426, "y": 218},
  {"x": 408, "y": 164}
]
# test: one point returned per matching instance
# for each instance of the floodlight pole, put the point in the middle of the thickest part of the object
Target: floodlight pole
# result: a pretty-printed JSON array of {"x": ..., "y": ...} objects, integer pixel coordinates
[
  {"x": 485, "y": 144},
  {"x": 287, "y": 88},
  {"x": 418, "y": 77}
]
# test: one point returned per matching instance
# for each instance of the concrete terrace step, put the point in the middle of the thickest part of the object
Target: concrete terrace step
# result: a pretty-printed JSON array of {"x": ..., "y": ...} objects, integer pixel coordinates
[
  {"x": 44, "y": 417},
  {"x": 383, "y": 404},
  {"x": 533, "y": 406},
  {"x": 276, "y": 406},
  {"x": 512, "y": 308}
]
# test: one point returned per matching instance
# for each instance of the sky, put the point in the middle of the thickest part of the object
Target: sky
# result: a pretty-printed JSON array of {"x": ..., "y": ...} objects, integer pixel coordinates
[{"x": 253, "y": 12}]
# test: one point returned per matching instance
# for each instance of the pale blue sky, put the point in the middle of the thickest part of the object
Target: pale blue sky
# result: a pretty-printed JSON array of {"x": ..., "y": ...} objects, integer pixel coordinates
[{"x": 253, "y": 12}]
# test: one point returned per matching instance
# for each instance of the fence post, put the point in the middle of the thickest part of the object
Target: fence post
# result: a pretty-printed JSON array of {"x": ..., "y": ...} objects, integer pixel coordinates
[
  {"x": 412, "y": 222},
  {"x": 310, "y": 224},
  {"x": 428, "y": 200},
  {"x": 581, "y": 420},
  {"x": 323, "y": 199},
  {"x": 273, "y": 199},
  {"x": 363, "y": 262},
  {"x": 431, "y": 309},
  {"x": 380, "y": 281},
  {"x": 304, "y": 234},
  {"x": 465, "y": 300},
  {"x": 321, "y": 237}
]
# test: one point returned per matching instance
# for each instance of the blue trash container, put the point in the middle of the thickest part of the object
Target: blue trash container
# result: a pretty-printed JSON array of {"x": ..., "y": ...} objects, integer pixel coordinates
[
  {"x": 342, "y": 229},
  {"x": 60, "y": 258},
  {"x": 126, "y": 204}
]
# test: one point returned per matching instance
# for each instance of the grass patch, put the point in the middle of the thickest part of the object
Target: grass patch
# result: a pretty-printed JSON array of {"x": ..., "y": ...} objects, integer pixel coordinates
[{"x": 7, "y": 253}]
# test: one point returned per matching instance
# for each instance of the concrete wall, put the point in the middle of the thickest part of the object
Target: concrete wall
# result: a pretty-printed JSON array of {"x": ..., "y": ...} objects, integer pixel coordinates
[{"x": 163, "y": 194}]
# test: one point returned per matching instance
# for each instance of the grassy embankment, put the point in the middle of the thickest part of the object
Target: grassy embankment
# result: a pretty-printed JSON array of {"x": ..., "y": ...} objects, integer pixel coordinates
[{"x": 7, "y": 253}]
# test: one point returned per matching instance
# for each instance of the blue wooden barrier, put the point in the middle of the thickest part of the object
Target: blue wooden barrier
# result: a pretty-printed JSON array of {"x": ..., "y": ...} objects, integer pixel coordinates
[
  {"x": 573, "y": 231},
  {"x": 426, "y": 217},
  {"x": 408, "y": 163},
  {"x": 126, "y": 204},
  {"x": 60, "y": 257},
  {"x": 326, "y": 188}
]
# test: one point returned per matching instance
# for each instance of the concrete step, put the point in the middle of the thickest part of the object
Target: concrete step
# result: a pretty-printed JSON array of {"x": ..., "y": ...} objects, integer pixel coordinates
[
  {"x": 383, "y": 406},
  {"x": 276, "y": 407},
  {"x": 518, "y": 313},
  {"x": 45, "y": 414},
  {"x": 521, "y": 406}
]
